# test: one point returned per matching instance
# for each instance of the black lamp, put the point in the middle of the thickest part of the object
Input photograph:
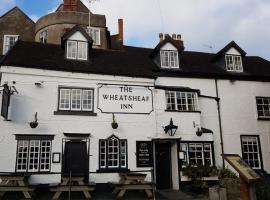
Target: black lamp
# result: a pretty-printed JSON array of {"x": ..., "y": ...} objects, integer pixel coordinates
[{"x": 171, "y": 128}]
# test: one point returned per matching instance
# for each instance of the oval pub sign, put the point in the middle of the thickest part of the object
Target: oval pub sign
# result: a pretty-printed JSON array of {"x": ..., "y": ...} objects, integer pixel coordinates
[{"x": 125, "y": 99}]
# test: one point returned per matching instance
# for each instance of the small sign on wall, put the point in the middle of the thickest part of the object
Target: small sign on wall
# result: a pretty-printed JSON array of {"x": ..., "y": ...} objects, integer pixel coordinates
[
  {"x": 144, "y": 153},
  {"x": 125, "y": 99}
]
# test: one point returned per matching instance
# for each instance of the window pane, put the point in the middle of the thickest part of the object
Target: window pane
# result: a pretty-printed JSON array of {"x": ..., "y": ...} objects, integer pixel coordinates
[
  {"x": 72, "y": 49},
  {"x": 95, "y": 34},
  {"x": 76, "y": 99},
  {"x": 87, "y": 97},
  {"x": 170, "y": 98},
  {"x": 22, "y": 156},
  {"x": 33, "y": 161},
  {"x": 64, "y": 103},
  {"x": 169, "y": 58},
  {"x": 251, "y": 154},
  {"x": 263, "y": 106},
  {"x": 45, "y": 155},
  {"x": 82, "y": 50}
]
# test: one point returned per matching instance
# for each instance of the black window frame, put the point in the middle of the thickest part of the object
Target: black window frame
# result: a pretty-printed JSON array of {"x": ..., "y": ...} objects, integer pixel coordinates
[
  {"x": 76, "y": 112},
  {"x": 113, "y": 169},
  {"x": 40, "y": 138},
  {"x": 260, "y": 117},
  {"x": 259, "y": 149},
  {"x": 196, "y": 142}
]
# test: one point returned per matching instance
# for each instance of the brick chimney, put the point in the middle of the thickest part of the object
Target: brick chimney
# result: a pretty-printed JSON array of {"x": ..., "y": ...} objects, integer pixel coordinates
[
  {"x": 120, "y": 30},
  {"x": 70, "y": 5}
]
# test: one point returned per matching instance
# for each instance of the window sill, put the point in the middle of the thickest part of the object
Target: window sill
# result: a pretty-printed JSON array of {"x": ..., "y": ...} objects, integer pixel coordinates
[
  {"x": 117, "y": 170},
  {"x": 264, "y": 118},
  {"x": 69, "y": 112},
  {"x": 195, "y": 111}
]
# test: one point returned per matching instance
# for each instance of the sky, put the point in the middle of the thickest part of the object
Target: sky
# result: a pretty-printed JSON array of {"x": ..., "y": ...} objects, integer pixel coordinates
[{"x": 205, "y": 25}]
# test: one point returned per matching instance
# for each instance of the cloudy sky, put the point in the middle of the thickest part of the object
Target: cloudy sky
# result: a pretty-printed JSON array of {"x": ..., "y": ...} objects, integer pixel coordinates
[{"x": 206, "y": 25}]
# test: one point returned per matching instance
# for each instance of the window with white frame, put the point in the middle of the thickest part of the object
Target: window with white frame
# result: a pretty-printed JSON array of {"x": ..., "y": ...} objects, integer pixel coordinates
[
  {"x": 169, "y": 59},
  {"x": 9, "y": 41},
  {"x": 43, "y": 36},
  {"x": 263, "y": 107},
  {"x": 181, "y": 101},
  {"x": 112, "y": 153},
  {"x": 197, "y": 153},
  {"x": 77, "y": 50},
  {"x": 33, "y": 156},
  {"x": 95, "y": 34},
  {"x": 251, "y": 151},
  {"x": 76, "y": 99},
  {"x": 234, "y": 63}
]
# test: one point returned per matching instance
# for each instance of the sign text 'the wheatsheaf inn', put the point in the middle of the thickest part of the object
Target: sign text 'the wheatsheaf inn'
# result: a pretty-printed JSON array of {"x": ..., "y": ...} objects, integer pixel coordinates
[{"x": 125, "y": 99}]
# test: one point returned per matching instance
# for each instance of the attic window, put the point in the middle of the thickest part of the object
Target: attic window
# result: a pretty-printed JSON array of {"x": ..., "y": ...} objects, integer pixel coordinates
[
  {"x": 234, "y": 63},
  {"x": 9, "y": 41},
  {"x": 95, "y": 34},
  {"x": 76, "y": 50},
  {"x": 169, "y": 59}
]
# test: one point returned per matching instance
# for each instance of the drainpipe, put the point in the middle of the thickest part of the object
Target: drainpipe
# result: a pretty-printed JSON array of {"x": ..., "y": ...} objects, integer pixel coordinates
[{"x": 220, "y": 125}]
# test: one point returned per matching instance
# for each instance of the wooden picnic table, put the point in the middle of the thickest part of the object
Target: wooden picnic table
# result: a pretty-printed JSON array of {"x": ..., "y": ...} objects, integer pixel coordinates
[
  {"x": 15, "y": 183},
  {"x": 74, "y": 184},
  {"x": 133, "y": 181}
]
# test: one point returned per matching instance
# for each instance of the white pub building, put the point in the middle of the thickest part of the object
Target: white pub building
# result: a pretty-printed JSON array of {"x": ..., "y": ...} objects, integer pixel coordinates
[{"x": 77, "y": 109}]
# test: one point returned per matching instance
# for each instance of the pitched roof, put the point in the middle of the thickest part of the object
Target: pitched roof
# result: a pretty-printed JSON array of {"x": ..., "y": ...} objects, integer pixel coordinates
[
  {"x": 131, "y": 61},
  {"x": 73, "y": 30},
  {"x": 167, "y": 39},
  {"x": 19, "y": 10},
  {"x": 232, "y": 44}
]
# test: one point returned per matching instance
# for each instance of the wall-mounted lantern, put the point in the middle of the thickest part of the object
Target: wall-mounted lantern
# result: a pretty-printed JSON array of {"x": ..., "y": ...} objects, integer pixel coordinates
[
  {"x": 114, "y": 123},
  {"x": 34, "y": 123},
  {"x": 171, "y": 128}
]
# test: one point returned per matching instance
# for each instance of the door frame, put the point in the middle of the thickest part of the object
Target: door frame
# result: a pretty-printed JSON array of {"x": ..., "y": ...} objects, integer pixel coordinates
[{"x": 87, "y": 140}]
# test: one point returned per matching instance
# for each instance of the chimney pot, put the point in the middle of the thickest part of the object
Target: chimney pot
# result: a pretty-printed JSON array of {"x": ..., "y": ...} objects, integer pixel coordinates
[
  {"x": 120, "y": 29},
  {"x": 179, "y": 37},
  {"x": 161, "y": 37},
  {"x": 174, "y": 36}
]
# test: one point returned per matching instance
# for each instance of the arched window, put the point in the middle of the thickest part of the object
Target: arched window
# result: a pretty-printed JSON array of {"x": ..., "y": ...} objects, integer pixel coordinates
[{"x": 112, "y": 153}]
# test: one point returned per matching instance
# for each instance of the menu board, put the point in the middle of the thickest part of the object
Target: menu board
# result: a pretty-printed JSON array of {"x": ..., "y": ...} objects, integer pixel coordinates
[
  {"x": 242, "y": 167},
  {"x": 144, "y": 153}
]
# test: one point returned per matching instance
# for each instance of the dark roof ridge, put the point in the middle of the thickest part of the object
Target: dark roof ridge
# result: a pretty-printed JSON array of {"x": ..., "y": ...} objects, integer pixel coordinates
[{"x": 16, "y": 7}]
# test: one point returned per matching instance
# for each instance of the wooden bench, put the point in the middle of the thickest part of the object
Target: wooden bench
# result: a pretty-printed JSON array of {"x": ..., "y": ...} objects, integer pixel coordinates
[
  {"x": 15, "y": 183},
  {"x": 120, "y": 189},
  {"x": 76, "y": 184}
]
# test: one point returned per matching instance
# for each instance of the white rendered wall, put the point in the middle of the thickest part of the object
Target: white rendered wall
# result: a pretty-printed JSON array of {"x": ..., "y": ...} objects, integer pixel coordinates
[{"x": 44, "y": 100}]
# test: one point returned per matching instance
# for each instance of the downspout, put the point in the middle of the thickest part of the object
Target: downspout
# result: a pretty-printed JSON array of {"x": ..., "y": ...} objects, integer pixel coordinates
[{"x": 220, "y": 125}]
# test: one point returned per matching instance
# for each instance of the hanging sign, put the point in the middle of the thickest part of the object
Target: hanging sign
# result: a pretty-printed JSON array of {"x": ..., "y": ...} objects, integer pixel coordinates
[
  {"x": 125, "y": 99},
  {"x": 144, "y": 153},
  {"x": 5, "y": 102}
]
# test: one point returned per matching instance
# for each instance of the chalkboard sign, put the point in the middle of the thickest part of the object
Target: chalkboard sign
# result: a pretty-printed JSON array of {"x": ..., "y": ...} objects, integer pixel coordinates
[{"x": 144, "y": 154}]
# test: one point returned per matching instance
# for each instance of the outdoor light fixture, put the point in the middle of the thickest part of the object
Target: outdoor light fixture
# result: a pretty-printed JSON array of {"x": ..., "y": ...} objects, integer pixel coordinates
[
  {"x": 34, "y": 123},
  {"x": 171, "y": 128},
  {"x": 114, "y": 123}
]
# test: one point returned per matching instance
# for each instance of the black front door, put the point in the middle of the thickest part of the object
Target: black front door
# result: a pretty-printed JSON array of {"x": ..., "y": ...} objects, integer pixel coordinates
[
  {"x": 163, "y": 165},
  {"x": 75, "y": 160}
]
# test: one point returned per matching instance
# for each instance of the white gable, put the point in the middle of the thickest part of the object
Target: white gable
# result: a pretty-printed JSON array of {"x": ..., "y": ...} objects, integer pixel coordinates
[
  {"x": 168, "y": 46},
  {"x": 233, "y": 51},
  {"x": 77, "y": 36}
]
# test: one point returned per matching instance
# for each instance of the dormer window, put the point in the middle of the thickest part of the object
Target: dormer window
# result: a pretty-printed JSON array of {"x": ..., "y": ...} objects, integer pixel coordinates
[
  {"x": 77, "y": 50},
  {"x": 169, "y": 59},
  {"x": 234, "y": 63},
  {"x": 95, "y": 34}
]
